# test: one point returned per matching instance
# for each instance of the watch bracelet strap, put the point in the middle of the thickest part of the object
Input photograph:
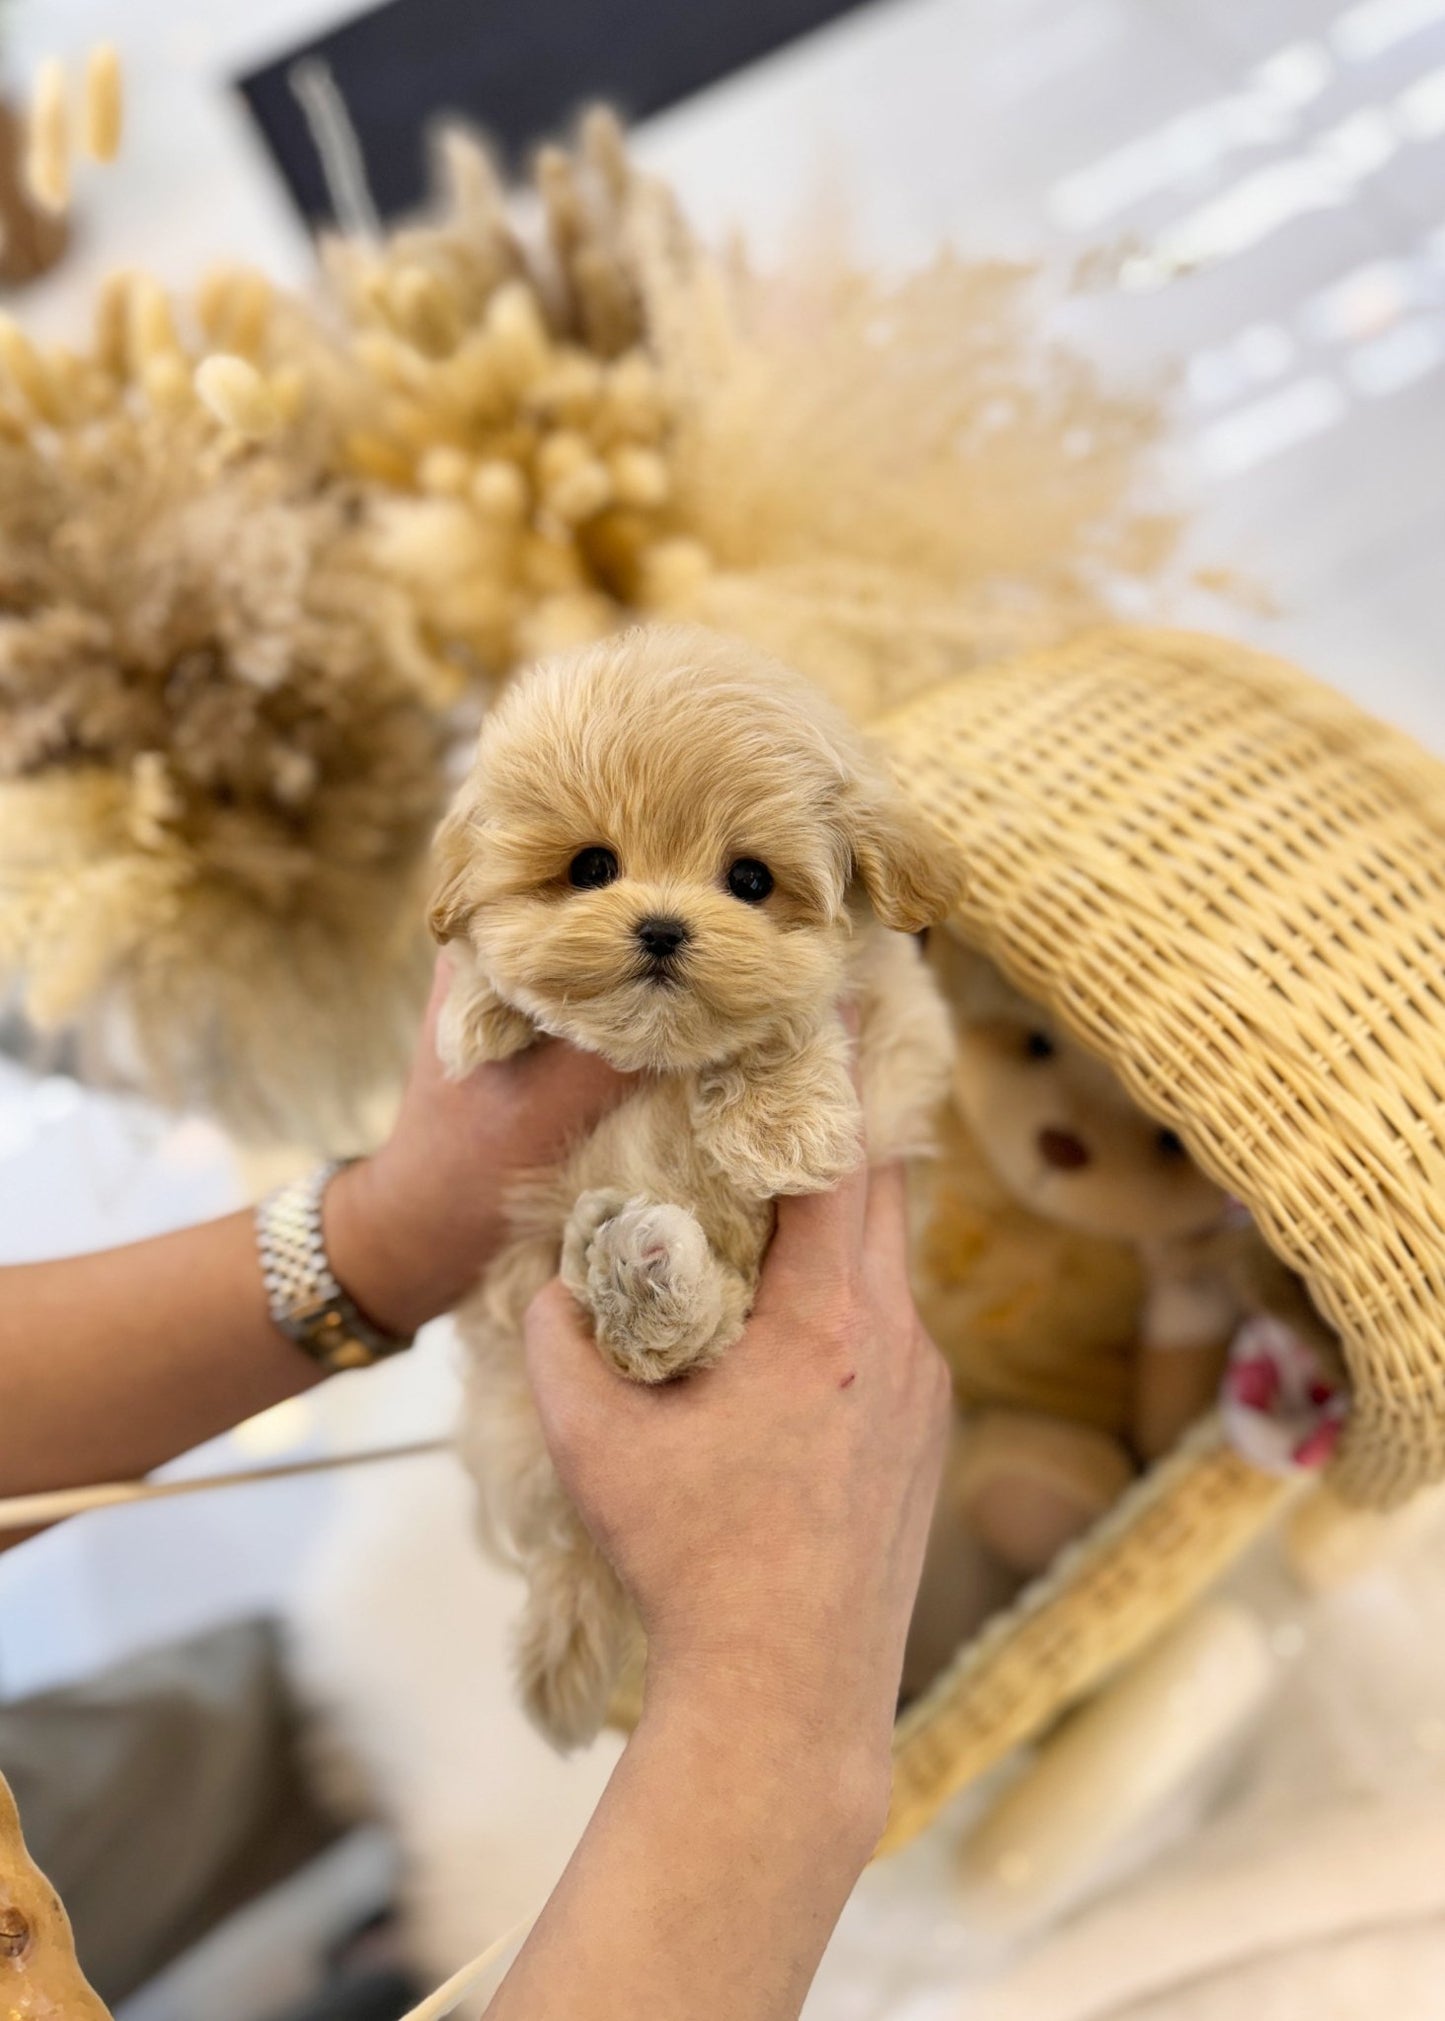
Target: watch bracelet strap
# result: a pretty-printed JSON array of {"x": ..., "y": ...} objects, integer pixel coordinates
[{"x": 306, "y": 1302}]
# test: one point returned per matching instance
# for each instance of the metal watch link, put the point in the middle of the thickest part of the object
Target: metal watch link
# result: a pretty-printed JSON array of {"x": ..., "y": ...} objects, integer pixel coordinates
[{"x": 306, "y": 1302}]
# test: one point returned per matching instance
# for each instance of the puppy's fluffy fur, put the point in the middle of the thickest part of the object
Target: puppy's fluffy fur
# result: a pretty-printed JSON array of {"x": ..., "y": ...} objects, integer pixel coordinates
[{"x": 679, "y": 754}]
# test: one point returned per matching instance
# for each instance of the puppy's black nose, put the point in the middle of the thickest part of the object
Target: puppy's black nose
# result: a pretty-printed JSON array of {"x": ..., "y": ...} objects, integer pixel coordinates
[{"x": 661, "y": 938}]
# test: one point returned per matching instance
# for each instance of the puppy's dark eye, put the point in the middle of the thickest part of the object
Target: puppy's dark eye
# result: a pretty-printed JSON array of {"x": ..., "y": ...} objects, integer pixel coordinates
[
  {"x": 1169, "y": 1145},
  {"x": 590, "y": 869},
  {"x": 1039, "y": 1046},
  {"x": 750, "y": 880}
]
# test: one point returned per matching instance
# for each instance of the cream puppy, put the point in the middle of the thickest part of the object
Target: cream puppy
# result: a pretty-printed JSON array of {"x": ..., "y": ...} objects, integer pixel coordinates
[{"x": 674, "y": 853}]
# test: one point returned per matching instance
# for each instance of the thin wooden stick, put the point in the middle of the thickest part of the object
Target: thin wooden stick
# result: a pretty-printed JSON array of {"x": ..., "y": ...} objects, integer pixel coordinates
[
  {"x": 445, "y": 1998},
  {"x": 29, "y": 1512}
]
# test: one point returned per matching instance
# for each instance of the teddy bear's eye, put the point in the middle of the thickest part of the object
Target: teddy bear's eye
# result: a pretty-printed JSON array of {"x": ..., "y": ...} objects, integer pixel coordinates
[
  {"x": 1039, "y": 1046},
  {"x": 750, "y": 880},
  {"x": 590, "y": 869},
  {"x": 1170, "y": 1145}
]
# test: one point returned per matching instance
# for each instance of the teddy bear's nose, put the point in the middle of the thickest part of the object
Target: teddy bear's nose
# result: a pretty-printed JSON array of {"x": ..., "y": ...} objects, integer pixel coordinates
[
  {"x": 1063, "y": 1150},
  {"x": 661, "y": 938}
]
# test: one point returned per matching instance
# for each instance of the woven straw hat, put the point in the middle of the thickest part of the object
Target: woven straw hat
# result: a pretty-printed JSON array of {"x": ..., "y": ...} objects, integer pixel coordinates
[{"x": 1231, "y": 884}]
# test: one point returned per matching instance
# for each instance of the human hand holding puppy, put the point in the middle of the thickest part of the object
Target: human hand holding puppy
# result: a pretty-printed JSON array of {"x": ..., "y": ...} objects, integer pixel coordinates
[
  {"x": 767, "y": 1517},
  {"x": 768, "y": 1520},
  {"x": 409, "y": 1228}
]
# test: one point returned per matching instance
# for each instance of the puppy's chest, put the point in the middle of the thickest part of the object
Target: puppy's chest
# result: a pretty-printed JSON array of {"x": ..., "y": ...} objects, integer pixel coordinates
[{"x": 650, "y": 1146}]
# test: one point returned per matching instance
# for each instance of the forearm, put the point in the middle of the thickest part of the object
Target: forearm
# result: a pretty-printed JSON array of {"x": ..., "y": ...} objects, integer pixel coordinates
[
  {"x": 112, "y": 1363},
  {"x": 709, "y": 1880}
]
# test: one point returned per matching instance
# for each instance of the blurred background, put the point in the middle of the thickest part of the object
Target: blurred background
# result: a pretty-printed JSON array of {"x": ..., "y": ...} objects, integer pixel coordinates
[{"x": 1268, "y": 183}]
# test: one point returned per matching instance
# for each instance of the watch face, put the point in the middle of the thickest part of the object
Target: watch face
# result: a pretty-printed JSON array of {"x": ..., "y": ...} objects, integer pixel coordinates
[{"x": 518, "y": 69}]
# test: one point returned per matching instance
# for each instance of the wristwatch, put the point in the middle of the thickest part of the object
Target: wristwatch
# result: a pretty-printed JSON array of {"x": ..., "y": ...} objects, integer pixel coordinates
[{"x": 306, "y": 1302}]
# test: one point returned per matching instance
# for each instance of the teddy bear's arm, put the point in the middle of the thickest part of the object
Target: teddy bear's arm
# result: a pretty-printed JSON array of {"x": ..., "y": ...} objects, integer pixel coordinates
[{"x": 1191, "y": 1312}]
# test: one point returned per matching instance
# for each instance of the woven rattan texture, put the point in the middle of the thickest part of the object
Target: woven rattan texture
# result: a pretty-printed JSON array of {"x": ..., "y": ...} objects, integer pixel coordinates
[
  {"x": 1168, "y": 1540},
  {"x": 1231, "y": 882}
]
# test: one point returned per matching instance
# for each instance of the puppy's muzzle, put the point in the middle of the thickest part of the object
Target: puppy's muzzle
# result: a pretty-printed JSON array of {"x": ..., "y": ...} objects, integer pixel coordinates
[{"x": 661, "y": 942}]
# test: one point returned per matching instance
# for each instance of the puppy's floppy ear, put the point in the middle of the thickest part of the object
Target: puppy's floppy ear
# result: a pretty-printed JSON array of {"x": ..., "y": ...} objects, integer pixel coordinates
[
  {"x": 910, "y": 871},
  {"x": 474, "y": 1025},
  {"x": 452, "y": 855}
]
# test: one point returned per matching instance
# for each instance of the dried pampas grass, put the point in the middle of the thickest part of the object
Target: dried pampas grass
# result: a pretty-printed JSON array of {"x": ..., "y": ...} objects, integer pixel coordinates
[
  {"x": 886, "y": 482},
  {"x": 893, "y": 483},
  {"x": 217, "y": 787},
  {"x": 262, "y": 561}
]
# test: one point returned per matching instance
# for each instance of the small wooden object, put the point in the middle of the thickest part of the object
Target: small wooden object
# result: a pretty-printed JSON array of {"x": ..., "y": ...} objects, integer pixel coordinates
[
  {"x": 31, "y": 239},
  {"x": 40, "y": 1978}
]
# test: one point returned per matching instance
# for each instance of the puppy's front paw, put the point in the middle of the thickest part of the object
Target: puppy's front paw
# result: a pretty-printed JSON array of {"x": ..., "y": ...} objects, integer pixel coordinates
[
  {"x": 591, "y": 1213},
  {"x": 661, "y": 1300}
]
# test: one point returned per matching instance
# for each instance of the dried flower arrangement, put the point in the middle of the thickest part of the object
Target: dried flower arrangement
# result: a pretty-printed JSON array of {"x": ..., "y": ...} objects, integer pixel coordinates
[{"x": 262, "y": 560}]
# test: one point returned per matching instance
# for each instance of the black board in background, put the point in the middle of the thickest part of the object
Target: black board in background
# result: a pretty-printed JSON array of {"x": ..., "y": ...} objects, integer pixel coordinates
[{"x": 518, "y": 69}]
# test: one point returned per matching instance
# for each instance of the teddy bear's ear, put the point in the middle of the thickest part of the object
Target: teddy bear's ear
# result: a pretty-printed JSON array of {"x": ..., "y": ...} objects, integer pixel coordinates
[
  {"x": 911, "y": 873},
  {"x": 970, "y": 981},
  {"x": 453, "y": 853}
]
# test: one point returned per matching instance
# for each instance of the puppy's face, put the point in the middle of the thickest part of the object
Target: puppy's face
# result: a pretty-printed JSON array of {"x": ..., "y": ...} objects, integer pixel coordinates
[
  {"x": 1056, "y": 1124},
  {"x": 654, "y": 855}
]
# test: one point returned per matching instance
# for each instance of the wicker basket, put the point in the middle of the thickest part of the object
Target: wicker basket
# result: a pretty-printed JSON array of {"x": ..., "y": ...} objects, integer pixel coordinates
[{"x": 1231, "y": 884}]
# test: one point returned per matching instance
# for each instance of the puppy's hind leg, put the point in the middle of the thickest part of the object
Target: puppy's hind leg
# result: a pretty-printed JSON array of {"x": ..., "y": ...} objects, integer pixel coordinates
[
  {"x": 663, "y": 1302},
  {"x": 571, "y": 1640}
]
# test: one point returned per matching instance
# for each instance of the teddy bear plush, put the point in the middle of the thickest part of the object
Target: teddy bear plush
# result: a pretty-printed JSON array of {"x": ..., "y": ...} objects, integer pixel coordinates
[{"x": 1083, "y": 1276}]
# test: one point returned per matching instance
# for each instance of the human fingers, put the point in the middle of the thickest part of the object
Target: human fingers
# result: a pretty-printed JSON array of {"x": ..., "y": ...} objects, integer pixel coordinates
[
  {"x": 562, "y": 1083},
  {"x": 573, "y": 1386},
  {"x": 817, "y": 1246},
  {"x": 885, "y": 1230},
  {"x": 441, "y": 977}
]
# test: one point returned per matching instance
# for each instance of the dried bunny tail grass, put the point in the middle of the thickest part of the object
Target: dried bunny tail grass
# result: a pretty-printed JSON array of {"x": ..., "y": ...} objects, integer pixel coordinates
[
  {"x": 47, "y": 165},
  {"x": 514, "y": 451},
  {"x": 888, "y": 483},
  {"x": 234, "y": 307},
  {"x": 467, "y": 249},
  {"x": 50, "y": 141},
  {"x": 295, "y": 540},
  {"x": 27, "y": 374},
  {"x": 588, "y": 195},
  {"x": 233, "y": 390},
  {"x": 104, "y": 103}
]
